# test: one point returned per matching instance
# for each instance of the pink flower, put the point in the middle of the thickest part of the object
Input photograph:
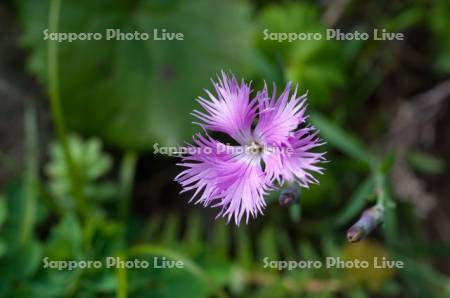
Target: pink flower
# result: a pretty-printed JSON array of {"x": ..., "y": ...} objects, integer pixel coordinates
[{"x": 271, "y": 152}]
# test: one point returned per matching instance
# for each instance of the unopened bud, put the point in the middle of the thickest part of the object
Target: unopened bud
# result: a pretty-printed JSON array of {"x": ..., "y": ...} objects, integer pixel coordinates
[
  {"x": 368, "y": 221},
  {"x": 289, "y": 196}
]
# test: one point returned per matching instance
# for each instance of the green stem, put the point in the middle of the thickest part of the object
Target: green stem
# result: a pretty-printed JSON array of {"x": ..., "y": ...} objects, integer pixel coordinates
[
  {"x": 127, "y": 171},
  {"x": 122, "y": 280},
  {"x": 383, "y": 198},
  {"x": 30, "y": 178},
  {"x": 56, "y": 110},
  {"x": 379, "y": 190},
  {"x": 385, "y": 201}
]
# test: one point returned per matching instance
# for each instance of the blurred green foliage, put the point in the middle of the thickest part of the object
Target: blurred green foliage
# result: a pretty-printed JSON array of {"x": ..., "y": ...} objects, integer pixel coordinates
[
  {"x": 92, "y": 164},
  {"x": 136, "y": 93},
  {"x": 318, "y": 65},
  {"x": 440, "y": 24}
]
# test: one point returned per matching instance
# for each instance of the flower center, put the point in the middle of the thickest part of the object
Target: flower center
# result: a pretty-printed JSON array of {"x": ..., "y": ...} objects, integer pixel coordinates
[{"x": 255, "y": 148}]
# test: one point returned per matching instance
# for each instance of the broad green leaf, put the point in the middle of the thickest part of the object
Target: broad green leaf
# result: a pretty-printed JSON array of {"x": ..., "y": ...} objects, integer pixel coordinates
[{"x": 135, "y": 93}]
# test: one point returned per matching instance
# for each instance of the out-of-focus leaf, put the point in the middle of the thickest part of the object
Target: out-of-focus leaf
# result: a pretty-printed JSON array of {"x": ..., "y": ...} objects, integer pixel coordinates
[
  {"x": 318, "y": 65},
  {"x": 54, "y": 283},
  {"x": 92, "y": 163},
  {"x": 295, "y": 212},
  {"x": 23, "y": 262},
  {"x": 356, "y": 292},
  {"x": 356, "y": 202},
  {"x": 440, "y": 25},
  {"x": 220, "y": 241},
  {"x": 135, "y": 93},
  {"x": 371, "y": 277},
  {"x": 169, "y": 234},
  {"x": 267, "y": 245},
  {"x": 3, "y": 210},
  {"x": 286, "y": 245},
  {"x": 390, "y": 288},
  {"x": 390, "y": 228},
  {"x": 151, "y": 227},
  {"x": 245, "y": 254},
  {"x": 105, "y": 282},
  {"x": 308, "y": 252},
  {"x": 426, "y": 163},
  {"x": 30, "y": 179},
  {"x": 66, "y": 239},
  {"x": 387, "y": 163},
  {"x": 31, "y": 258},
  {"x": 406, "y": 18},
  {"x": 424, "y": 281},
  {"x": 201, "y": 284},
  {"x": 340, "y": 139},
  {"x": 193, "y": 239}
]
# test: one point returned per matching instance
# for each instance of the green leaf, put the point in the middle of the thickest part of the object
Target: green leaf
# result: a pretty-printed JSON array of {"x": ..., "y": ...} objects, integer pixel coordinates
[
  {"x": 90, "y": 160},
  {"x": 308, "y": 252},
  {"x": 356, "y": 292},
  {"x": 405, "y": 19},
  {"x": 267, "y": 244},
  {"x": 439, "y": 19},
  {"x": 169, "y": 234},
  {"x": 220, "y": 242},
  {"x": 286, "y": 245},
  {"x": 193, "y": 238},
  {"x": 318, "y": 65},
  {"x": 66, "y": 239},
  {"x": 24, "y": 262},
  {"x": 387, "y": 163},
  {"x": 135, "y": 93},
  {"x": 245, "y": 252},
  {"x": 30, "y": 177},
  {"x": 189, "y": 265},
  {"x": 3, "y": 210},
  {"x": 340, "y": 139},
  {"x": 426, "y": 163},
  {"x": 295, "y": 212},
  {"x": 356, "y": 202}
]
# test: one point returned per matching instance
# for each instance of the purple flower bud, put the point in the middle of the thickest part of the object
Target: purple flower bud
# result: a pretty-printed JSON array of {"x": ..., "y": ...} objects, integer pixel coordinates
[
  {"x": 368, "y": 221},
  {"x": 289, "y": 196}
]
